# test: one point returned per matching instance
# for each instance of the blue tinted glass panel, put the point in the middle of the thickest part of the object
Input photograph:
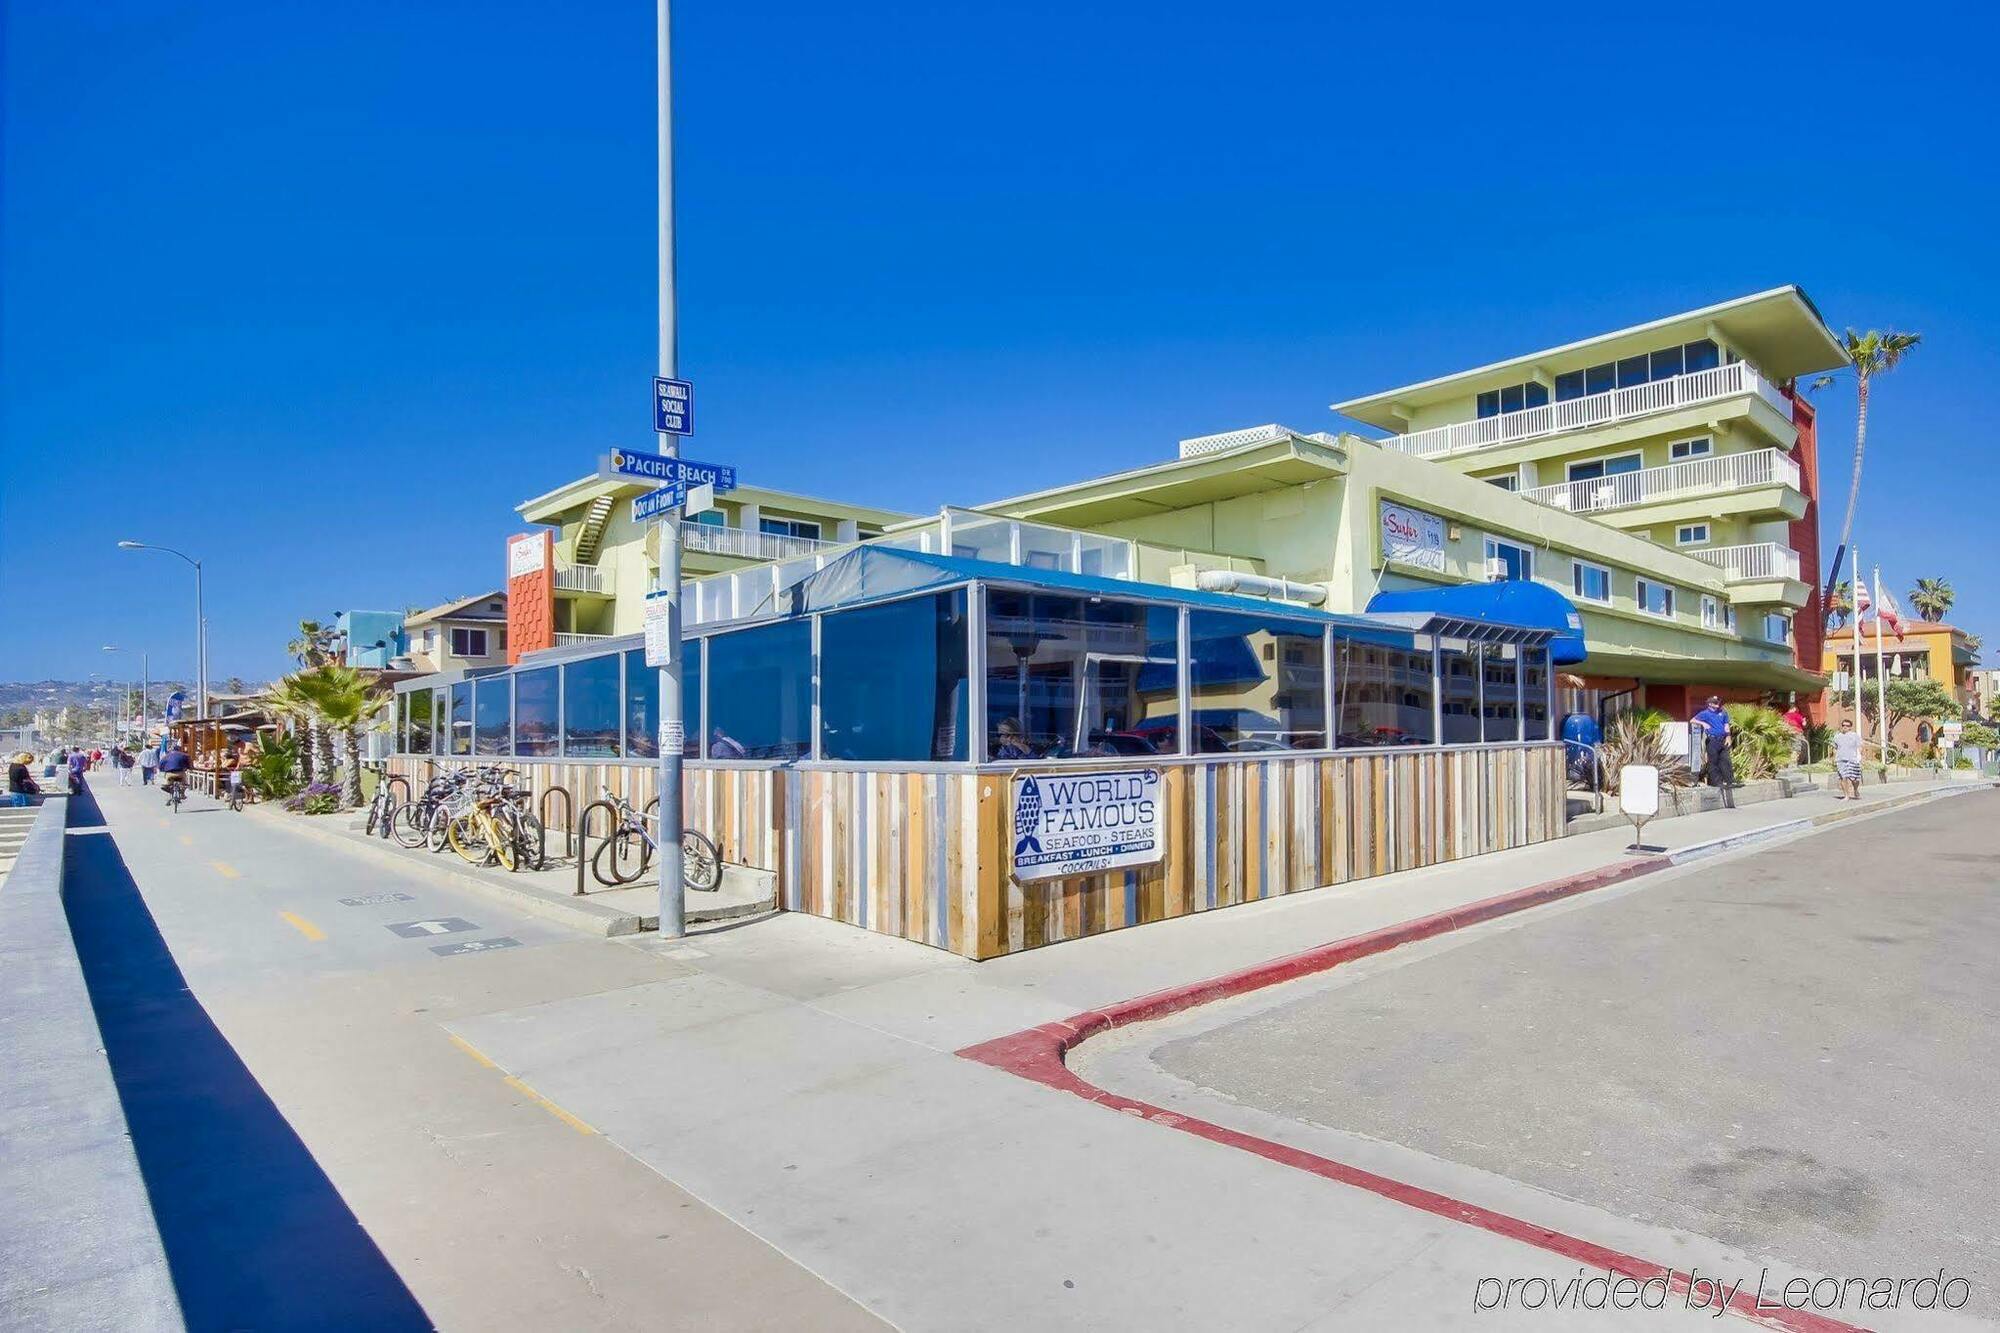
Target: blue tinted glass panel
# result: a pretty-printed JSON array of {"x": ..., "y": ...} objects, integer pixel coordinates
[
  {"x": 1600, "y": 379},
  {"x": 1628, "y": 463},
  {"x": 1570, "y": 386},
  {"x": 1700, "y": 355},
  {"x": 1590, "y": 471},
  {"x": 1255, "y": 683},
  {"x": 417, "y": 722},
  {"x": 1382, "y": 693},
  {"x": 1632, "y": 370},
  {"x": 1510, "y": 399},
  {"x": 1500, "y": 703},
  {"x": 1067, "y": 677},
  {"x": 1537, "y": 393},
  {"x": 1591, "y": 583},
  {"x": 461, "y": 718},
  {"x": 1666, "y": 364},
  {"x": 760, "y": 692},
  {"x": 590, "y": 708},
  {"x": 1460, "y": 684},
  {"x": 1535, "y": 694},
  {"x": 642, "y": 706},
  {"x": 535, "y": 702},
  {"x": 1489, "y": 403},
  {"x": 489, "y": 722},
  {"x": 893, "y": 681}
]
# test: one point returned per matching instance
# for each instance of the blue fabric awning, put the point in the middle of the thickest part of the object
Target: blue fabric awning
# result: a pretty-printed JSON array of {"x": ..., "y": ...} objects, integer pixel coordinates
[{"x": 1512, "y": 603}]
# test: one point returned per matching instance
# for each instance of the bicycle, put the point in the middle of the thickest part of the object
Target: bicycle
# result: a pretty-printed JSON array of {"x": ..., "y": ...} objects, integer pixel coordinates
[
  {"x": 382, "y": 806},
  {"x": 487, "y": 831},
  {"x": 624, "y": 856},
  {"x": 176, "y": 792},
  {"x": 236, "y": 793}
]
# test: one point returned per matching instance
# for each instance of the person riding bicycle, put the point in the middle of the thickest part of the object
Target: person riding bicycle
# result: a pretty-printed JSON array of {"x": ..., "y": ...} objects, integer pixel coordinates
[{"x": 175, "y": 763}]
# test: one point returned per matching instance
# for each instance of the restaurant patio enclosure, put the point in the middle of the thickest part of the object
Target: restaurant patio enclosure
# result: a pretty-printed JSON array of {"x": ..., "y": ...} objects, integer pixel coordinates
[{"x": 858, "y": 732}]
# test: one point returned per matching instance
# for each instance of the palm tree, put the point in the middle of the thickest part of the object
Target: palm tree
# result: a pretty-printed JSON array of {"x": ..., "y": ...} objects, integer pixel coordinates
[
  {"x": 345, "y": 701},
  {"x": 290, "y": 699},
  {"x": 1932, "y": 598},
  {"x": 1840, "y": 603},
  {"x": 1869, "y": 354},
  {"x": 313, "y": 645}
]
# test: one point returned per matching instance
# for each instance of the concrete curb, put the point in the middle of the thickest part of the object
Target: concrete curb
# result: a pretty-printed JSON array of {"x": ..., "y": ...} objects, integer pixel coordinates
[{"x": 1040, "y": 1053}]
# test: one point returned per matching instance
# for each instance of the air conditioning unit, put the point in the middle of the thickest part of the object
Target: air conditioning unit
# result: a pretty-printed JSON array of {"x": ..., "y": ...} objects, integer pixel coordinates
[{"x": 1496, "y": 569}]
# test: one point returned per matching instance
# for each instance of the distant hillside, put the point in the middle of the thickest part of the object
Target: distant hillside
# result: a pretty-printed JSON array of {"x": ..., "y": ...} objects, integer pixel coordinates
[{"x": 26, "y": 696}]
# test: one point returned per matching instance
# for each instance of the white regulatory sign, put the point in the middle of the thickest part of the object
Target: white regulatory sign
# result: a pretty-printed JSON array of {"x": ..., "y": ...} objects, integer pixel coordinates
[
  {"x": 659, "y": 646},
  {"x": 673, "y": 737},
  {"x": 1077, "y": 823}
]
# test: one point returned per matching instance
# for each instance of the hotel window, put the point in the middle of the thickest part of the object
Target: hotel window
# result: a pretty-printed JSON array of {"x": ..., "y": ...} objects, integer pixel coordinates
[
  {"x": 1686, "y": 359},
  {"x": 1699, "y": 447},
  {"x": 1711, "y": 613},
  {"x": 1590, "y": 583},
  {"x": 1513, "y": 398},
  {"x": 1506, "y": 481},
  {"x": 1508, "y": 562},
  {"x": 1691, "y": 534},
  {"x": 788, "y": 527},
  {"x": 1592, "y": 469},
  {"x": 893, "y": 681},
  {"x": 1655, "y": 599},
  {"x": 1777, "y": 629},
  {"x": 468, "y": 642},
  {"x": 710, "y": 518}
]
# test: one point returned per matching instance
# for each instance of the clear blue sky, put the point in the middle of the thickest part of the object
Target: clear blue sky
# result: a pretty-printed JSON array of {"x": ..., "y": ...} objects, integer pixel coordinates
[{"x": 323, "y": 293}]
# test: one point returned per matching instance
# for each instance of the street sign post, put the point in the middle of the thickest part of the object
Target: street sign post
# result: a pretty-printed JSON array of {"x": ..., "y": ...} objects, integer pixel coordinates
[{"x": 673, "y": 406}]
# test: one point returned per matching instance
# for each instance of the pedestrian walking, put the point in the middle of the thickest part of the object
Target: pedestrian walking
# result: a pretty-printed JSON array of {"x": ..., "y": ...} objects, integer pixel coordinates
[
  {"x": 1847, "y": 760},
  {"x": 121, "y": 759},
  {"x": 149, "y": 759},
  {"x": 1801, "y": 749},
  {"x": 1712, "y": 725}
]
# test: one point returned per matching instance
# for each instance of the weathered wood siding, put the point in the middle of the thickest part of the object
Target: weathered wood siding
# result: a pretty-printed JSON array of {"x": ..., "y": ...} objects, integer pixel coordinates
[{"x": 924, "y": 855}]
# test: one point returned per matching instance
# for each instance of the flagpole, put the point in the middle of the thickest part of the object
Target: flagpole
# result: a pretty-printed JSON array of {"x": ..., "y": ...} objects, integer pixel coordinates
[{"x": 1881, "y": 678}]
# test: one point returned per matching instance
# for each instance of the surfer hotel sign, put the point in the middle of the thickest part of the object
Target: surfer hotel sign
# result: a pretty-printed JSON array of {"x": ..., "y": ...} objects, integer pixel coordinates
[
  {"x": 1079, "y": 823},
  {"x": 1412, "y": 537}
]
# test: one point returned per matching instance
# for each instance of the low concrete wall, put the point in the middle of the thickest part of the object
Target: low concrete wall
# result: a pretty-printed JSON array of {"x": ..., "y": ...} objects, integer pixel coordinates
[{"x": 79, "y": 1248}]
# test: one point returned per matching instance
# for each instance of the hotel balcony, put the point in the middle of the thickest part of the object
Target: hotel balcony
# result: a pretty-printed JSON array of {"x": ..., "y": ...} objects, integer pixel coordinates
[
  {"x": 1597, "y": 410},
  {"x": 578, "y": 640},
  {"x": 1699, "y": 479},
  {"x": 747, "y": 545},
  {"x": 1759, "y": 572},
  {"x": 582, "y": 578}
]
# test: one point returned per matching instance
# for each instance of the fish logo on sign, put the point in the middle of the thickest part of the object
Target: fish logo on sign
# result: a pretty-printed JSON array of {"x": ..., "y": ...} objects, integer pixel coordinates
[{"x": 1026, "y": 815}]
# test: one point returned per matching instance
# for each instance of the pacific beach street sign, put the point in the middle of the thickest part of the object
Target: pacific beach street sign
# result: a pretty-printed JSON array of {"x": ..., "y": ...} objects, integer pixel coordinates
[
  {"x": 655, "y": 505},
  {"x": 659, "y": 470},
  {"x": 673, "y": 406}
]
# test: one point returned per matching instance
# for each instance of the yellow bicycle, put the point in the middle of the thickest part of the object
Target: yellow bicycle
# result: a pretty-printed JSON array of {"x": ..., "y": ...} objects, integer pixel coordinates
[{"x": 485, "y": 832}]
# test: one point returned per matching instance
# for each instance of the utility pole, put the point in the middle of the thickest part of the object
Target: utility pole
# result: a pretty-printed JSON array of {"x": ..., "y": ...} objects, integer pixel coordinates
[{"x": 673, "y": 884}]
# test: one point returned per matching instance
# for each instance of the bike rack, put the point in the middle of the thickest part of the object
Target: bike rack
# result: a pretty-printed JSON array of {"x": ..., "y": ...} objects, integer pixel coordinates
[
  {"x": 397, "y": 779},
  {"x": 582, "y": 842},
  {"x": 569, "y": 820}
]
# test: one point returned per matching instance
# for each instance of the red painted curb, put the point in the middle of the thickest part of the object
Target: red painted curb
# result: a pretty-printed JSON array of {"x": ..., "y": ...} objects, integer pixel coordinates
[{"x": 1037, "y": 1054}]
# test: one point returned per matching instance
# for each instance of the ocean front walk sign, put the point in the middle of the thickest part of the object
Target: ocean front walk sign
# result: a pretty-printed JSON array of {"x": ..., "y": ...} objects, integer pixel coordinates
[
  {"x": 1412, "y": 536},
  {"x": 1078, "y": 823}
]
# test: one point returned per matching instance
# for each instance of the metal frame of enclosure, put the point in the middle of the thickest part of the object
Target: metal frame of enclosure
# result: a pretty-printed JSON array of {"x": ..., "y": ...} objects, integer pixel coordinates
[{"x": 855, "y": 734}]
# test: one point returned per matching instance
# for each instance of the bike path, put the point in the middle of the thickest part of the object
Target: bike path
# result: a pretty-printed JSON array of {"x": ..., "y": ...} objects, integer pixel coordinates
[{"x": 323, "y": 1151}]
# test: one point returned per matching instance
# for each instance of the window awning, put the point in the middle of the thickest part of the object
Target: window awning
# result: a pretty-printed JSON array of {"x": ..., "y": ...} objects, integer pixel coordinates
[{"x": 1490, "y": 610}]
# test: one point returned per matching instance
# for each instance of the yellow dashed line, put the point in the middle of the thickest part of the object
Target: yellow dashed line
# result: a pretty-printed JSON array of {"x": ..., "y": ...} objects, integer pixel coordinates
[
  {"x": 186, "y": 841},
  {"x": 303, "y": 926},
  {"x": 226, "y": 870},
  {"x": 547, "y": 1105},
  {"x": 471, "y": 1050}
]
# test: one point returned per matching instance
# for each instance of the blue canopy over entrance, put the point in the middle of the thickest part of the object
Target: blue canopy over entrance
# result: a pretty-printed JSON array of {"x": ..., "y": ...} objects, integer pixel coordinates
[{"x": 1513, "y": 603}]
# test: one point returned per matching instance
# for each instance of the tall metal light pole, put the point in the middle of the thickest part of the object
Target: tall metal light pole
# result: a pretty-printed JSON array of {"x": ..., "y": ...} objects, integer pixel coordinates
[
  {"x": 200, "y": 620},
  {"x": 145, "y": 683},
  {"x": 673, "y": 884}
]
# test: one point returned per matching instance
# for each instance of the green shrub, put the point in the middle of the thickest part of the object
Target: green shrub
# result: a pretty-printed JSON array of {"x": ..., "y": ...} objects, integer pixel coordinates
[
  {"x": 276, "y": 774},
  {"x": 1761, "y": 741}
]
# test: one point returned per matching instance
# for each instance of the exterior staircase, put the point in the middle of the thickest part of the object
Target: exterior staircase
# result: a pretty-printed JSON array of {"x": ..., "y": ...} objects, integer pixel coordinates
[{"x": 590, "y": 535}]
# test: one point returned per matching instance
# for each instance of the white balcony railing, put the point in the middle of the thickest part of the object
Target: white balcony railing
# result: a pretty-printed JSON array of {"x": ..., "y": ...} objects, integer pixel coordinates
[
  {"x": 580, "y": 578},
  {"x": 718, "y": 540},
  {"x": 1596, "y": 410},
  {"x": 1759, "y": 560},
  {"x": 1690, "y": 477},
  {"x": 578, "y": 640}
]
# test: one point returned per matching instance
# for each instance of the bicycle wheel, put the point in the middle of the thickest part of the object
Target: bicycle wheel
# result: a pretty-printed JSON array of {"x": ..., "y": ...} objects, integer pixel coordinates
[
  {"x": 533, "y": 843},
  {"x": 437, "y": 827},
  {"x": 620, "y": 858},
  {"x": 503, "y": 839},
  {"x": 406, "y": 825},
  {"x": 468, "y": 839},
  {"x": 375, "y": 819},
  {"x": 701, "y": 864}
]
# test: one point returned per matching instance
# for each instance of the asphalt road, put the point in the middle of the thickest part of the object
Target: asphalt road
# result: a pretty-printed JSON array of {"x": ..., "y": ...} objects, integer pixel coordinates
[
  {"x": 320, "y": 1149},
  {"x": 1792, "y": 1051}
]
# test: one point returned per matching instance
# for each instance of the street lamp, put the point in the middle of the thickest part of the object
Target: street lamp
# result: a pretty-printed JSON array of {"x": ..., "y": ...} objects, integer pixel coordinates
[
  {"x": 200, "y": 621},
  {"x": 145, "y": 682}
]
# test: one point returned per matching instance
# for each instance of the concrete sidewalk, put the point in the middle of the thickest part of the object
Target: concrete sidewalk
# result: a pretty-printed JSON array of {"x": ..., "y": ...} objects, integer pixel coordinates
[{"x": 801, "y": 1078}]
